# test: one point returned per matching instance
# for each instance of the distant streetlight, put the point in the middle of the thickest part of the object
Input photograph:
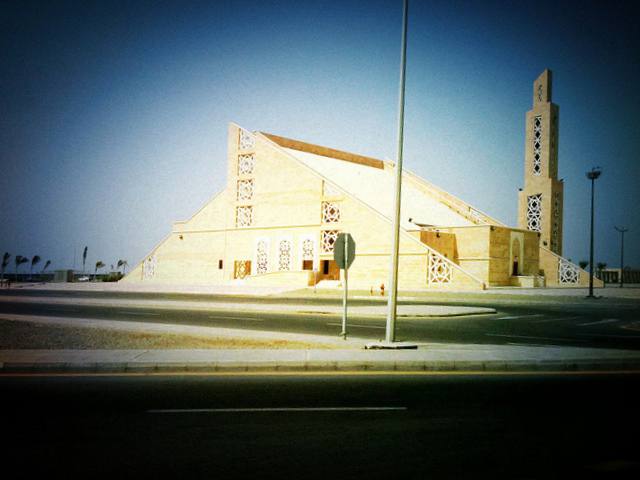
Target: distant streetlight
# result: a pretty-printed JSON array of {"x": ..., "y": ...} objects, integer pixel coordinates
[
  {"x": 592, "y": 175},
  {"x": 622, "y": 230}
]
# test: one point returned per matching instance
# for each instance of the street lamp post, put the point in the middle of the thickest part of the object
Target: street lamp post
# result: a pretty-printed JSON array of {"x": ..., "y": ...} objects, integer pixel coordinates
[
  {"x": 592, "y": 175},
  {"x": 622, "y": 230},
  {"x": 390, "y": 330}
]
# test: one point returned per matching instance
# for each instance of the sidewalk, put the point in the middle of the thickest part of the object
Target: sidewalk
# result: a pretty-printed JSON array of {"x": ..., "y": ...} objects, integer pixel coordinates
[{"x": 427, "y": 357}]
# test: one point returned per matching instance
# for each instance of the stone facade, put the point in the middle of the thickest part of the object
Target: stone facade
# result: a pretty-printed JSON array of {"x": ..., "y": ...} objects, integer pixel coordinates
[{"x": 285, "y": 201}]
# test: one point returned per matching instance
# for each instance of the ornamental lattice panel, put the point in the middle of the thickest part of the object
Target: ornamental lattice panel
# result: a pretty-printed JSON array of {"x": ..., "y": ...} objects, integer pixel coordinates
[
  {"x": 440, "y": 271},
  {"x": 149, "y": 267},
  {"x": 330, "y": 212},
  {"x": 245, "y": 190},
  {"x": 241, "y": 269},
  {"x": 244, "y": 216},
  {"x": 246, "y": 164},
  {"x": 568, "y": 272},
  {"x": 262, "y": 256},
  {"x": 534, "y": 212},
  {"x": 284, "y": 255},
  {"x": 246, "y": 140},
  {"x": 537, "y": 142},
  {"x": 555, "y": 228},
  {"x": 307, "y": 249},
  {"x": 328, "y": 239}
]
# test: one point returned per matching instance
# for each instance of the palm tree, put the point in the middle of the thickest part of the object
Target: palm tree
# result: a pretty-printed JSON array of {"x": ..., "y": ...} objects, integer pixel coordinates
[
  {"x": 600, "y": 266},
  {"x": 583, "y": 264},
  {"x": 99, "y": 264},
  {"x": 5, "y": 262},
  {"x": 48, "y": 262},
  {"x": 19, "y": 261},
  {"x": 123, "y": 264},
  {"x": 34, "y": 261},
  {"x": 84, "y": 257}
]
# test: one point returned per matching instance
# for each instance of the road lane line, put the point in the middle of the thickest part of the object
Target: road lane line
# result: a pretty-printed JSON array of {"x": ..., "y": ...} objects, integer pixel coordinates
[
  {"x": 520, "y": 316},
  {"x": 607, "y": 335},
  {"x": 356, "y": 325},
  {"x": 546, "y": 320},
  {"x": 277, "y": 409},
  {"x": 599, "y": 322},
  {"x": 145, "y": 314},
  {"x": 534, "y": 337},
  {"x": 244, "y": 319}
]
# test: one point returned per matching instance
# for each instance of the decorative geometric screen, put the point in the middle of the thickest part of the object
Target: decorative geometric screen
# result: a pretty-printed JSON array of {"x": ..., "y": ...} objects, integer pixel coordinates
[
  {"x": 149, "y": 267},
  {"x": 244, "y": 216},
  {"x": 245, "y": 190},
  {"x": 262, "y": 258},
  {"x": 568, "y": 272},
  {"x": 284, "y": 255},
  {"x": 307, "y": 249},
  {"x": 537, "y": 140},
  {"x": 329, "y": 237},
  {"x": 241, "y": 268},
  {"x": 534, "y": 212},
  {"x": 247, "y": 141},
  {"x": 555, "y": 227},
  {"x": 439, "y": 269},
  {"x": 540, "y": 92},
  {"x": 330, "y": 212},
  {"x": 246, "y": 164},
  {"x": 329, "y": 190}
]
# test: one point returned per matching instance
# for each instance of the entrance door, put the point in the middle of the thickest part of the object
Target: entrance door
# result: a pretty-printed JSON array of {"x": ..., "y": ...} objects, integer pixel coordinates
[
  {"x": 516, "y": 267},
  {"x": 329, "y": 270}
]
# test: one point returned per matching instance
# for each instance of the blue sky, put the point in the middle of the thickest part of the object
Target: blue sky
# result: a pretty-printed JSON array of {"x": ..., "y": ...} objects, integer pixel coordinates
[{"x": 115, "y": 114}]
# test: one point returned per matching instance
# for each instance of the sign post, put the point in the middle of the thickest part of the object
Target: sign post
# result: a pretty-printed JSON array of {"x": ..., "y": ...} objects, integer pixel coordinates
[{"x": 344, "y": 252}]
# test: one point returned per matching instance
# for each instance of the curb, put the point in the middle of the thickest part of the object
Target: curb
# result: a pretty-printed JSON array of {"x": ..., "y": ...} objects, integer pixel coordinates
[{"x": 489, "y": 366}]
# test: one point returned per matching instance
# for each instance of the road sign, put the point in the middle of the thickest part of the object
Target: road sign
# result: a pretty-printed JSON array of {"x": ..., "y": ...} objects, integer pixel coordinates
[
  {"x": 344, "y": 252},
  {"x": 340, "y": 253}
]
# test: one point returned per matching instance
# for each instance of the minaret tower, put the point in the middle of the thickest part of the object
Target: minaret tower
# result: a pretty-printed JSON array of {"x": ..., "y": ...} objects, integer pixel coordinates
[{"x": 540, "y": 201}]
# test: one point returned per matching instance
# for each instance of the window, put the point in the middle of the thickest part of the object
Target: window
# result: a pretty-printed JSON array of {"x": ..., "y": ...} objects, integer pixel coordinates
[
  {"x": 262, "y": 257},
  {"x": 329, "y": 237},
  {"x": 246, "y": 140},
  {"x": 246, "y": 163},
  {"x": 330, "y": 212},
  {"x": 244, "y": 190},
  {"x": 284, "y": 255},
  {"x": 244, "y": 216},
  {"x": 307, "y": 265},
  {"x": 241, "y": 268},
  {"x": 219, "y": 264},
  {"x": 537, "y": 142},
  {"x": 534, "y": 212}
]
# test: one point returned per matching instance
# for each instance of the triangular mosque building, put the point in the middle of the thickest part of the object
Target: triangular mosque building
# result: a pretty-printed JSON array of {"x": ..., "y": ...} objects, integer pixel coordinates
[{"x": 286, "y": 201}]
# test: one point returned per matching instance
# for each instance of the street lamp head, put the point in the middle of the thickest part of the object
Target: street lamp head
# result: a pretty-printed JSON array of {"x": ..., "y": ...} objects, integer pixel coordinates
[{"x": 594, "y": 173}]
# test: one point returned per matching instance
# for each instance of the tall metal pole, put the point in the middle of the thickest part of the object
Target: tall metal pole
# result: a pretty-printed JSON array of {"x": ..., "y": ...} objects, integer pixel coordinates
[
  {"x": 395, "y": 240},
  {"x": 592, "y": 175},
  {"x": 622, "y": 230},
  {"x": 346, "y": 289}
]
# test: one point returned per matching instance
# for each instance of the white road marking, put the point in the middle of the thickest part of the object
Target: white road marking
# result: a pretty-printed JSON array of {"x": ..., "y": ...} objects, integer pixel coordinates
[
  {"x": 556, "y": 319},
  {"x": 607, "y": 335},
  {"x": 356, "y": 325},
  {"x": 244, "y": 319},
  {"x": 531, "y": 336},
  {"x": 145, "y": 314},
  {"x": 600, "y": 322},
  {"x": 520, "y": 316},
  {"x": 276, "y": 409}
]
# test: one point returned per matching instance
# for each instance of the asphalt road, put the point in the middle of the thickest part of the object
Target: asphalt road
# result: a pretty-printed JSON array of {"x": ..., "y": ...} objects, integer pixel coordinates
[
  {"x": 608, "y": 323},
  {"x": 322, "y": 426}
]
